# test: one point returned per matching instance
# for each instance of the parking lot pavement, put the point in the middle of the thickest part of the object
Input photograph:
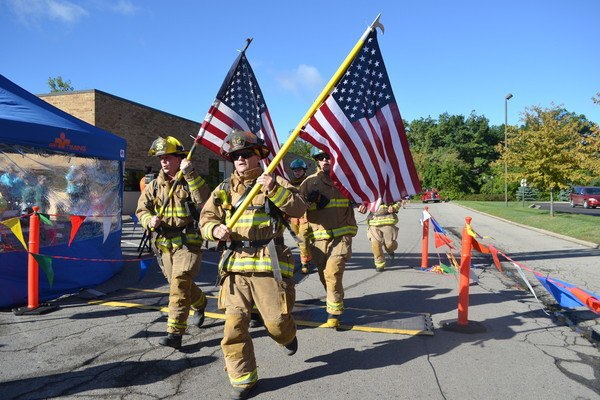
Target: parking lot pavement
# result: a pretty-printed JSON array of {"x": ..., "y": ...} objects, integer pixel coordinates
[{"x": 89, "y": 348}]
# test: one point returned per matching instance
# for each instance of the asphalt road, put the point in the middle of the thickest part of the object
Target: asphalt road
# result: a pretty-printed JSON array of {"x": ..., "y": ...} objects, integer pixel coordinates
[
  {"x": 564, "y": 207},
  {"x": 85, "y": 350}
]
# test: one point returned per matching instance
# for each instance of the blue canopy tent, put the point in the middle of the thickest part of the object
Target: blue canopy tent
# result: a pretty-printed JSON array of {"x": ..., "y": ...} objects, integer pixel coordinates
[{"x": 66, "y": 167}]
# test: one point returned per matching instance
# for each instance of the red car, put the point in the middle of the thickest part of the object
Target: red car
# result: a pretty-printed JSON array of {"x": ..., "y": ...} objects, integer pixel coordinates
[
  {"x": 431, "y": 195},
  {"x": 586, "y": 196}
]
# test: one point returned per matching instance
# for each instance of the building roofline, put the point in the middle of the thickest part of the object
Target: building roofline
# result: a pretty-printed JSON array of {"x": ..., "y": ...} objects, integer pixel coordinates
[{"x": 113, "y": 96}]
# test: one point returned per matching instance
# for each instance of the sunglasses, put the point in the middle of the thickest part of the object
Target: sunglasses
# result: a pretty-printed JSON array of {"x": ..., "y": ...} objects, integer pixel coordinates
[
  {"x": 245, "y": 154},
  {"x": 322, "y": 157}
]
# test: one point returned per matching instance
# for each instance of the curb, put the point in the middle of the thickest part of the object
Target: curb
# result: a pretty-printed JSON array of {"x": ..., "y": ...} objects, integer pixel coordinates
[{"x": 554, "y": 234}]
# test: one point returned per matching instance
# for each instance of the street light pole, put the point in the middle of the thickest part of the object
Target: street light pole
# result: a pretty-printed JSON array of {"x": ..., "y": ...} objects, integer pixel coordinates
[{"x": 506, "y": 99}]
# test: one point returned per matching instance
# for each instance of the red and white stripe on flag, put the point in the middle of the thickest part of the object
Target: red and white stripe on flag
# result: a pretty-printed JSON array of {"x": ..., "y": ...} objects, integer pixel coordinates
[
  {"x": 360, "y": 127},
  {"x": 239, "y": 105}
]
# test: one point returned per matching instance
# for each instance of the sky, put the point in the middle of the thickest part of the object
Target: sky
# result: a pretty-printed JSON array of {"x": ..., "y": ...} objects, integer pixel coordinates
[{"x": 454, "y": 57}]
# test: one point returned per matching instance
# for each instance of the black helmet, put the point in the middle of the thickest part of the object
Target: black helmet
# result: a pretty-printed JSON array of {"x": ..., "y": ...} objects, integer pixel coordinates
[{"x": 240, "y": 140}]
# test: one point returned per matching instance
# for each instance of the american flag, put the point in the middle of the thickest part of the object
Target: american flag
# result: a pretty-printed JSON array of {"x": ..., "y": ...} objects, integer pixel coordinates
[
  {"x": 360, "y": 127},
  {"x": 239, "y": 105}
]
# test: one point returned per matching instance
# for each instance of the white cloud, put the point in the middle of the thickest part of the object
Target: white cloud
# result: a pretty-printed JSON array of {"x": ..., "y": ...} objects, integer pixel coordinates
[
  {"x": 32, "y": 11},
  {"x": 124, "y": 7},
  {"x": 305, "y": 78}
]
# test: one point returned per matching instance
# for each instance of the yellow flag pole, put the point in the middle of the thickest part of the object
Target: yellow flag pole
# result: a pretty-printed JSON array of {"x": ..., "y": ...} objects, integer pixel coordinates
[{"x": 296, "y": 132}]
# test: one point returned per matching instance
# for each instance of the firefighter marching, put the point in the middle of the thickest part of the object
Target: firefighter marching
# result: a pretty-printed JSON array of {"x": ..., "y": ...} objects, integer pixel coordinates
[
  {"x": 300, "y": 225},
  {"x": 256, "y": 268},
  {"x": 177, "y": 242}
]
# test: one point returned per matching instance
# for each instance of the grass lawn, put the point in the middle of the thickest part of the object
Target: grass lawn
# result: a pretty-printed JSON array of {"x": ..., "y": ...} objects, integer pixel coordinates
[{"x": 584, "y": 227}]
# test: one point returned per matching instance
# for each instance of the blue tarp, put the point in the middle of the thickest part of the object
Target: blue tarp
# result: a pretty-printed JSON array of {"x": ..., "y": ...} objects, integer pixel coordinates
[
  {"x": 30, "y": 121},
  {"x": 67, "y": 167}
]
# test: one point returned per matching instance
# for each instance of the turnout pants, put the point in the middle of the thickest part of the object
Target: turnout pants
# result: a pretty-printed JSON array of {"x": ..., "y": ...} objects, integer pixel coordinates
[
  {"x": 274, "y": 300},
  {"x": 330, "y": 257},
  {"x": 180, "y": 266},
  {"x": 382, "y": 238}
]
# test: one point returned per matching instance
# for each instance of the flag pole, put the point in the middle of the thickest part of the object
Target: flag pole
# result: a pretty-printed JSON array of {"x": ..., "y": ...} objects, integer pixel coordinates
[
  {"x": 192, "y": 149},
  {"x": 296, "y": 132},
  {"x": 217, "y": 102}
]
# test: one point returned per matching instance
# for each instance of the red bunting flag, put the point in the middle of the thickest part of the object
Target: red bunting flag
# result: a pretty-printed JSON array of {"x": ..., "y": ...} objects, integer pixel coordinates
[{"x": 76, "y": 221}]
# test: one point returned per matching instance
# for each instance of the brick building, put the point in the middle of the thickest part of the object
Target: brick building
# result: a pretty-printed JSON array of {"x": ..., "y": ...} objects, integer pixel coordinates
[{"x": 140, "y": 125}]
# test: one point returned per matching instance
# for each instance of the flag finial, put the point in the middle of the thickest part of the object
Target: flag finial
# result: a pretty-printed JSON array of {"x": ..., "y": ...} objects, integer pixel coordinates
[
  {"x": 377, "y": 24},
  {"x": 248, "y": 41}
]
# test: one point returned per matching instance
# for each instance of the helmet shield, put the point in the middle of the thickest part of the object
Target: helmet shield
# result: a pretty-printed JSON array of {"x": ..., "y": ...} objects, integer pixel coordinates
[
  {"x": 241, "y": 140},
  {"x": 163, "y": 146}
]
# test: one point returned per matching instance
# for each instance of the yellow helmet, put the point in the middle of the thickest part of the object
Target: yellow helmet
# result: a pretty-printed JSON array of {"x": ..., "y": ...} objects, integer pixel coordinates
[{"x": 168, "y": 145}]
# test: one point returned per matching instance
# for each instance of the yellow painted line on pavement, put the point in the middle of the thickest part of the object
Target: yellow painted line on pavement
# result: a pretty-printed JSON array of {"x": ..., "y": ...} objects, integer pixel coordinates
[
  {"x": 298, "y": 322},
  {"x": 145, "y": 307},
  {"x": 158, "y": 291}
]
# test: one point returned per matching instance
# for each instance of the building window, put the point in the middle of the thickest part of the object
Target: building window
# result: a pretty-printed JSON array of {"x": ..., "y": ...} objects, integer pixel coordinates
[{"x": 215, "y": 175}]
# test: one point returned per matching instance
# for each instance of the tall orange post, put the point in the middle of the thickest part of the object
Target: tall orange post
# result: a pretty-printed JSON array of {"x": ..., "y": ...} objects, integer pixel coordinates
[
  {"x": 465, "y": 275},
  {"x": 32, "y": 265},
  {"x": 463, "y": 325},
  {"x": 425, "y": 243},
  {"x": 33, "y": 277}
]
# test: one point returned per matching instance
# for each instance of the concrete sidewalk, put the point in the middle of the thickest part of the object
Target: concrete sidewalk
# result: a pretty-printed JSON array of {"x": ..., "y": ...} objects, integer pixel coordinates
[{"x": 86, "y": 350}]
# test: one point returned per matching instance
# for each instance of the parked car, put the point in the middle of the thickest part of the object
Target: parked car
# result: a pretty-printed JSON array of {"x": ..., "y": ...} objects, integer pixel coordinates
[
  {"x": 586, "y": 196},
  {"x": 431, "y": 195}
]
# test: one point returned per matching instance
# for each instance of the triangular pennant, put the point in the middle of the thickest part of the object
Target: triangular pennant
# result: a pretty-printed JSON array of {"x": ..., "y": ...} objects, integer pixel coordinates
[
  {"x": 106, "y": 225},
  {"x": 526, "y": 281},
  {"x": 45, "y": 263},
  {"x": 471, "y": 232},
  {"x": 76, "y": 221},
  {"x": 425, "y": 216},
  {"x": 480, "y": 247},
  {"x": 45, "y": 218},
  {"x": 494, "y": 252},
  {"x": 144, "y": 264},
  {"x": 448, "y": 269},
  {"x": 442, "y": 240},
  {"x": 437, "y": 227},
  {"x": 561, "y": 291},
  {"x": 14, "y": 224}
]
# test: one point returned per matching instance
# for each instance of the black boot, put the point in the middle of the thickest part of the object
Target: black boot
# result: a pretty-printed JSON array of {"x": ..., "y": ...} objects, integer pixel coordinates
[
  {"x": 198, "y": 318},
  {"x": 292, "y": 347},
  {"x": 171, "y": 340},
  {"x": 255, "y": 320},
  {"x": 239, "y": 392}
]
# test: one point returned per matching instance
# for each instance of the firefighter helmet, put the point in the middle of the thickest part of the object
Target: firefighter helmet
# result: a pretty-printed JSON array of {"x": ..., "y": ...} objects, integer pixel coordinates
[
  {"x": 316, "y": 153},
  {"x": 241, "y": 140},
  {"x": 298, "y": 163},
  {"x": 163, "y": 146}
]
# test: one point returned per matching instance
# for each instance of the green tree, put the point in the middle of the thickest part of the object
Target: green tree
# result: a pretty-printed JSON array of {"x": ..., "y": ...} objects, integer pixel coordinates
[
  {"x": 551, "y": 149},
  {"x": 471, "y": 143},
  {"x": 301, "y": 147},
  {"x": 443, "y": 169},
  {"x": 58, "y": 84}
]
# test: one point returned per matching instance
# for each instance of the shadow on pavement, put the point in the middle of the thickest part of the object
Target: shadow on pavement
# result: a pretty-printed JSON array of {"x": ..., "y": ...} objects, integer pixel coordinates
[{"x": 120, "y": 374}]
